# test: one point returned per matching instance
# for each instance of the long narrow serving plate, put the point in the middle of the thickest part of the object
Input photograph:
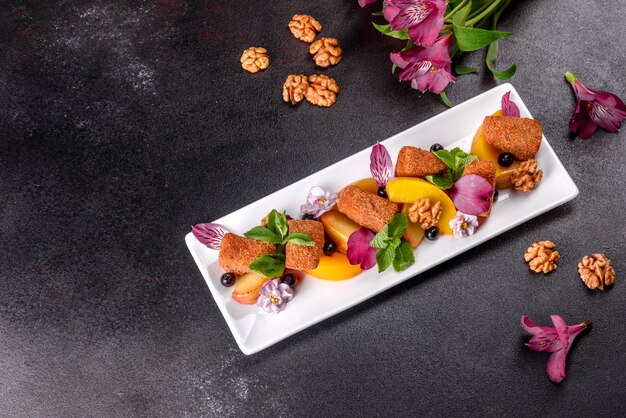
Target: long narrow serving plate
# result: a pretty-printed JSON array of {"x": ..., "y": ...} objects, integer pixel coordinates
[{"x": 315, "y": 299}]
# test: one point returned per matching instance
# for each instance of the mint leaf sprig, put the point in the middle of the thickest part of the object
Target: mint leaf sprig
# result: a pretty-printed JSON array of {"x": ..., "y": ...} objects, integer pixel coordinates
[
  {"x": 391, "y": 249},
  {"x": 273, "y": 265},
  {"x": 456, "y": 160}
]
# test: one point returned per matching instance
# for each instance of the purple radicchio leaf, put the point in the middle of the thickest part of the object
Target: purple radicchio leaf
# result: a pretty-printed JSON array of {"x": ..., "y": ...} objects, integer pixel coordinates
[
  {"x": 509, "y": 108},
  {"x": 209, "y": 234},
  {"x": 472, "y": 194},
  {"x": 381, "y": 165},
  {"x": 359, "y": 249}
]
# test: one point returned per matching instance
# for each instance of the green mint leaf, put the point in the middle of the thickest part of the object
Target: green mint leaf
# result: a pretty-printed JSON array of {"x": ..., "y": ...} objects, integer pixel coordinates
[
  {"x": 472, "y": 39},
  {"x": 444, "y": 182},
  {"x": 280, "y": 224},
  {"x": 386, "y": 30},
  {"x": 446, "y": 157},
  {"x": 398, "y": 224},
  {"x": 380, "y": 240},
  {"x": 299, "y": 239},
  {"x": 271, "y": 265},
  {"x": 384, "y": 258},
  {"x": 271, "y": 220},
  {"x": 261, "y": 233},
  {"x": 404, "y": 257}
]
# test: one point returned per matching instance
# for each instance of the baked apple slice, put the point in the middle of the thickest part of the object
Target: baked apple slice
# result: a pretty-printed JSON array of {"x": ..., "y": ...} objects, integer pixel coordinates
[
  {"x": 338, "y": 227},
  {"x": 248, "y": 287}
]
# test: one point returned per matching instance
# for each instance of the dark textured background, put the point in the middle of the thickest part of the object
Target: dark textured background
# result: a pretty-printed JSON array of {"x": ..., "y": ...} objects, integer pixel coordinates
[{"x": 124, "y": 122}]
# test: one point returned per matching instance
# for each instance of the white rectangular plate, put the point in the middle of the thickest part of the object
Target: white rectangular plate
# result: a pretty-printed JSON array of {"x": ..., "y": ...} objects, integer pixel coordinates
[{"x": 315, "y": 299}]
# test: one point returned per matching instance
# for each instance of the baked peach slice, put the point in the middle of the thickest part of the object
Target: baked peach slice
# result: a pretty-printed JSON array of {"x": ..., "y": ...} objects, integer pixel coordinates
[
  {"x": 486, "y": 152},
  {"x": 367, "y": 185},
  {"x": 248, "y": 287},
  {"x": 410, "y": 189},
  {"x": 335, "y": 267},
  {"x": 338, "y": 227}
]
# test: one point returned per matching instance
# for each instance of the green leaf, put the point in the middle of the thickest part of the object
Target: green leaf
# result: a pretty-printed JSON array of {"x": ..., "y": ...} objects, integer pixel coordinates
[
  {"x": 385, "y": 256},
  {"x": 398, "y": 224},
  {"x": 379, "y": 13},
  {"x": 494, "y": 50},
  {"x": 443, "y": 182},
  {"x": 261, "y": 233},
  {"x": 460, "y": 16},
  {"x": 271, "y": 265},
  {"x": 446, "y": 157},
  {"x": 299, "y": 239},
  {"x": 271, "y": 220},
  {"x": 380, "y": 240},
  {"x": 404, "y": 257},
  {"x": 472, "y": 39},
  {"x": 444, "y": 98},
  {"x": 386, "y": 30},
  {"x": 461, "y": 69},
  {"x": 280, "y": 224}
]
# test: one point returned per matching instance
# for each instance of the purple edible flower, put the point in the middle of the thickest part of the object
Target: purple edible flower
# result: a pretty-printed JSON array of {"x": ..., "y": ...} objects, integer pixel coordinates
[
  {"x": 556, "y": 340},
  {"x": 427, "y": 68},
  {"x": 381, "y": 165},
  {"x": 210, "y": 235},
  {"x": 509, "y": 108},
  {"x": 274, "y": 296},
  {"x": 594, "y": 108},
  {"x": 423, "y": 18},
  {"x": 359, "y": 249},
  {"x": 318, "y": 202},
  {"x": 472, "y": 194}
]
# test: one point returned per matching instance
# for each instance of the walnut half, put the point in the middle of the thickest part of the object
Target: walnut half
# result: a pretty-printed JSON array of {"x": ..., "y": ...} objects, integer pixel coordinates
[
  {"x": 295, "y": 88},
  {"x": 325, "y": 52},
  {"x": 254, "y": 59},
  {"x": 322, "y": 90},
  {"x": 425, "y": 212},
  {"x": 542, "y": 257},
  {"x": 526, "y": 177},
  {"x": 304, "y": 27},
  {"x": 596, "y": 271}
]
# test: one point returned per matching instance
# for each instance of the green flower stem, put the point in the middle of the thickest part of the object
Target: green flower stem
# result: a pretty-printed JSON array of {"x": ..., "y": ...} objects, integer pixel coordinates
[
  {"x": 456, "y": 9},
  {"x": 484, "y": 14},
  {"x": 570, "y": 77}
]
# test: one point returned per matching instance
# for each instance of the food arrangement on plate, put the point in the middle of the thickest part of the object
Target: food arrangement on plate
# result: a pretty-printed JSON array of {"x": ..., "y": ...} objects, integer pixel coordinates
[{"x": 381, "y": 220}]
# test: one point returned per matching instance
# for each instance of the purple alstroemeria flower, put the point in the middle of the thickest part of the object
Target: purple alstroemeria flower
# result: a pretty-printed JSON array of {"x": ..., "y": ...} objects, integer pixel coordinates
[
  {"x": 318, "y": 202},
  {"x": 210, "y": 235},
  {"x": 509, "y": 108},
  {"x": 427, "y": 68},
  {"x": 274, "y": 296},
  {"x": 594, "y": 108},
  {"x": 423, "y": 18},
  {"x": 359, "y": 250},
  {"x": 381, "y": 166},
  {"x": 556, "y": 340}
]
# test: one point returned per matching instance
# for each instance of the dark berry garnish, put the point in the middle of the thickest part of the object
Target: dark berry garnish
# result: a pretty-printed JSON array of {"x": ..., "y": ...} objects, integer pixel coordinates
[
  {"x": 495, "y": 196},
  {"x": 329, "y": 248},
  {"x": 432, "y": 233},
  {"x": 308, "y": 217},
  {"x": 228, "y": 279},
  {"x": 436, "y": 147},
  {"x": 382, "y": 192},
  {"x": 289, "y": 218},
  {"x": 289, "y": 279},
  {"x": 505, "y": 159}
]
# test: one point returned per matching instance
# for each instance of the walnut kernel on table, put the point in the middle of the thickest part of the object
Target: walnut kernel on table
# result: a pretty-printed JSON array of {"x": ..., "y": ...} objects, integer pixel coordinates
[
  {"x": 596, "y": 271},
  {"x": 325, "y": 52},
  {"x": 254, "y": 59},
  {"x": 322, "y": 90},
  {"x": 304, "y": 27},
  {"x": 526, "y": 177},
  {"x": 542, "y": 257},
  {"x": 295, "y": 88},
  {"x": 425, "y": 212}
]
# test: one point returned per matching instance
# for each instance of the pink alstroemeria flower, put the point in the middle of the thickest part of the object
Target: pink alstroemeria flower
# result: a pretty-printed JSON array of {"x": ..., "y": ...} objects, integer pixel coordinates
[
  {"x": 594, "y": 108},
  {"x": 509, "y": 108},
  {"x": 556, "y": 340},
  {"x": 364, "y": 3},
  {"x": 427, "y": 68},
  {"x": 423, "y": 18}
]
